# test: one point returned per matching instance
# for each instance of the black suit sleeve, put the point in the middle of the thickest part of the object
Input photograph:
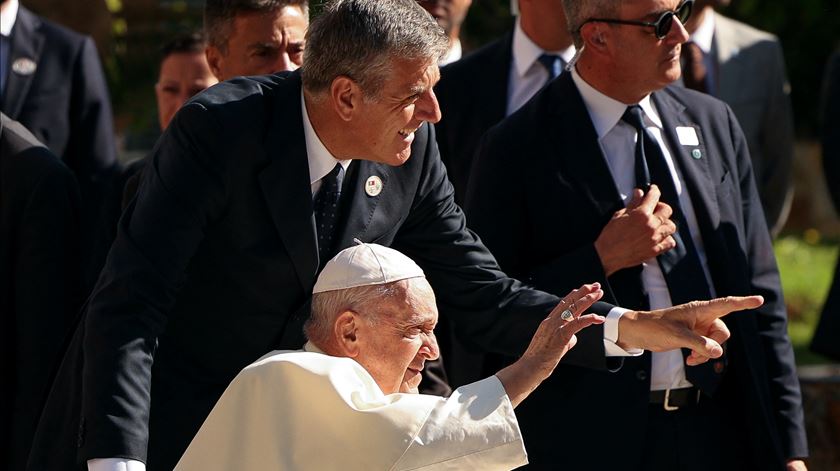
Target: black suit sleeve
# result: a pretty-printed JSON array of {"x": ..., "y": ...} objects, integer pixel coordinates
[
  {"x": 488, "y": 309},
  {"x": 158, "y": 235},
  {"x": 770, "y": 318}
]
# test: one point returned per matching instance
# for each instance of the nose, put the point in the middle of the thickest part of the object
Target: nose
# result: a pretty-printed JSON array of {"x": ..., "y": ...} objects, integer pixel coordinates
[
  {"x": 430, "y": 350},
  {"x": 678, "y": 32},
  {"x": 284, "y": 63},
  {"x": 427, "y": 107}
]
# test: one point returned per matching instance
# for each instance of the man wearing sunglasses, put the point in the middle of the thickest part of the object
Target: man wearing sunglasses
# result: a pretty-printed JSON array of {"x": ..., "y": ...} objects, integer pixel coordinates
[{"x": 610, "y": 144}]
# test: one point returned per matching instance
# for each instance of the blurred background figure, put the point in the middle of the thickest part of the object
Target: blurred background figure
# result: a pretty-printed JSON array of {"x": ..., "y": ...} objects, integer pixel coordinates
[
  {"x": 255, "y": 37},
  {"x": 52, "y": 83},
  {"x": 40, "y": 288},
  {"x": 450, "y": 15},
  {"x": 744, "y": 67},
  {"x": 826, "y": 339},
  {"x": 183, "y": 73}
]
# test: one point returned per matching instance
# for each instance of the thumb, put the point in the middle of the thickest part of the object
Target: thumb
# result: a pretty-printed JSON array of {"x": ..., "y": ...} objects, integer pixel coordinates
[{"x": 702, "y": 348}]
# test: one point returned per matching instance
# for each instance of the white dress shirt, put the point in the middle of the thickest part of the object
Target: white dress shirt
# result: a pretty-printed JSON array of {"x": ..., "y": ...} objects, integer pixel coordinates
[
  {"x": 617, "y": 140},
  {"x": 527, "y": 75},
  {"x": 321, "y": 162},
  {"x": 308, "y": 410},
  {"x": 453, "y": 54}
]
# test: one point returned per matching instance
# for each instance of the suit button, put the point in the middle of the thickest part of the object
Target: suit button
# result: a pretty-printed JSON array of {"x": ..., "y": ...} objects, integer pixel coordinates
[{"x": 641, "y": 375}]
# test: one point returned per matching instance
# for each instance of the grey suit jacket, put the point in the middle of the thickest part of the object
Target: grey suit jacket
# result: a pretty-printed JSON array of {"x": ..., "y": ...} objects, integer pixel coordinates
[{"x": 752, "y": 81}]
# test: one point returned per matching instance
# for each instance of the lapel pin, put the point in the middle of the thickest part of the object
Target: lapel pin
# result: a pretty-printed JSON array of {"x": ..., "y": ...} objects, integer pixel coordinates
[
  {"x": 696, "y": 153},
  {"x": 373, "y": 185},
  {"x": 687, "y": 136},
  {"x": 24, "y": 66}
]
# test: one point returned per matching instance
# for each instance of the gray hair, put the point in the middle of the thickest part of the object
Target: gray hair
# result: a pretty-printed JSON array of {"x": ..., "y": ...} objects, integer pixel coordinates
[
  {"x": 327, "y": 305},
  {"x": 578, "y": 11},
  {"x": 219, "y": 15},
  {"x": 359, "y": 38}
]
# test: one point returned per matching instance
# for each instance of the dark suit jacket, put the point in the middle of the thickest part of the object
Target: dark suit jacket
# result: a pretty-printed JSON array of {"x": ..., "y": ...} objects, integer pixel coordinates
[
  {"x": 214, "y": 264},
  {"x": 828, "y": 330},
  {"x": 472, "y": 93},
  {"x": 539, "y": 207},
  {"x": 65, "y": 104},
  {"x": 39, "y": 290}
]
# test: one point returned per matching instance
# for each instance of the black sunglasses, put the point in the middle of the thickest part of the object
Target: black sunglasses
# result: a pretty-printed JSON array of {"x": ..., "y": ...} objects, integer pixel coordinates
[{"x": 662, "y": 25}]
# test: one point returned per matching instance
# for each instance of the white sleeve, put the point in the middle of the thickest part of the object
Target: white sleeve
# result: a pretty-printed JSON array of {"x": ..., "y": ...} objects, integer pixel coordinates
[
  {"x": 115, "y": 464},
  {"x": 474, "y": 429},
  {"x": 611, "y": 335}
]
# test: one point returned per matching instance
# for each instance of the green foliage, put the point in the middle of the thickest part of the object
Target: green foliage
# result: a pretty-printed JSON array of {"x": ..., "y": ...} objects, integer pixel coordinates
[{"x": 806, "y": 270}]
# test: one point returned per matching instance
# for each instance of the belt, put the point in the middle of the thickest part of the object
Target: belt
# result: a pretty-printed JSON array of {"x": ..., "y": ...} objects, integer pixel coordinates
[{"x": 673, "y": 399}]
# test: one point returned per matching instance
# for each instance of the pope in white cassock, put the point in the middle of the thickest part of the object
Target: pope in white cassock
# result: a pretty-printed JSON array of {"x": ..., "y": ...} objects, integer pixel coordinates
[{"x": 349, "y": 400}]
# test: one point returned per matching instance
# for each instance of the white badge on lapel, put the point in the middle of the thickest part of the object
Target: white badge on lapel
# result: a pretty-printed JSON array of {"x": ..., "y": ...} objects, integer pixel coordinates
[
  {"x": 687, "y": 136},
  {"x": 24, "y": 66},
  {"x": 373, "y": 185}
]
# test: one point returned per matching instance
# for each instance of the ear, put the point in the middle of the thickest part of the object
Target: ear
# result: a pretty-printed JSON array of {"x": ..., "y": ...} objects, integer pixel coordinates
[
  {"x": 215, "y": 59},
  {"x": 346, "y": 96},
  {"x": 346, "y": 333},
  {"x": 595, "y": 37}
]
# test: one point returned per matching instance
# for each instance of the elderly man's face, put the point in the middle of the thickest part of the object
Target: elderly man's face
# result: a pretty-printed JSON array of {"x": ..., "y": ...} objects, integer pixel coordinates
[
  {"x": 395, "y": 349},
  {"x": 645, "y": 62},
  {"x": 182, "y": 75},
  {"x": 261, "y": 43},
  {"x": 385, "y": 125}
]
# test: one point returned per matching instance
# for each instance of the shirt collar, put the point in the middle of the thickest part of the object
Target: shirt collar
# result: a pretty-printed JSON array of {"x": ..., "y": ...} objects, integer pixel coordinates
[
  {"x": 606, "y": 112},
  {"x": 705, "y": 32},
  {"x": 453, "y": 54},
  {"x": 321, "y": 162},
  {"x": 8, "y": 17},
  {"x": 526, "y": 52},
  {"x": 310, "y": 347}
]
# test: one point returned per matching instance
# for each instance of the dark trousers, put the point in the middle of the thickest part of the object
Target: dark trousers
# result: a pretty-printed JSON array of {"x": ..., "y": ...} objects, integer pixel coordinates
[{"x": 695, "y": 438}]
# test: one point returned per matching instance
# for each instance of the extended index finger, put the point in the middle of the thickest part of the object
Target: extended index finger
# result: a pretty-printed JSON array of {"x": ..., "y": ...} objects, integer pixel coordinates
[
  {"x": 719, "y": 307},
  {"x": 648, "y": 203}
]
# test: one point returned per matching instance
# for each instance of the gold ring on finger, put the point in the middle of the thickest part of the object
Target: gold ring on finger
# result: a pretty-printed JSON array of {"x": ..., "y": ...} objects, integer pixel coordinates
[{"x": 567, "y": 315}]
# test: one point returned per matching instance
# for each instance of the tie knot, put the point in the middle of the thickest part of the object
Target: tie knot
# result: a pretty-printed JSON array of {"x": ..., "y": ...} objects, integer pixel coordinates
[
  {"x": 552, "y": 63},
  {"x": 634, "y": 116},
  {"x": 333, "y": 180}
]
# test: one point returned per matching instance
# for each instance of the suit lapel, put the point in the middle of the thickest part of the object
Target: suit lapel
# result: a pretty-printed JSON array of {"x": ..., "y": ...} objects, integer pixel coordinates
[
  {"x": 285, "y": 185},
  {"x": 692, "y": 160},
  {"x": 585, "y": 162},
  {"x": 27, "y": 43},
  {"x": 496, "y": 81},
  {"x": 359, "y": 211}
]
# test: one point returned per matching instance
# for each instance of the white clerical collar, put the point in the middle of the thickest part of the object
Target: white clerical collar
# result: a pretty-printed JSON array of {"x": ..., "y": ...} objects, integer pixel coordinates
[
  {"x": 705, "y": 33},
  {"x": 526, "y": 52},
  {"x": 310, "y": 347},
  {"x": 8, "y": 17},
  {"x": 321, "y": 162},
  {"x": 606, "y": 112}
]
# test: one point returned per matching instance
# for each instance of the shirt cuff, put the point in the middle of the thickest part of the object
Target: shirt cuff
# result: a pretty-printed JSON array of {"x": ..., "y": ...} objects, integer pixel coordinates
[
  {"x": 611, "y": 348},
  {"x": 115, "y": 464}
]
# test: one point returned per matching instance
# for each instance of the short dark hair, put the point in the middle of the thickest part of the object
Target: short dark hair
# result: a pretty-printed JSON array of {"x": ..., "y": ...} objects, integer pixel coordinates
[
  {"x": 219, "y": 15},
  {"x": 188, "y": 43}
]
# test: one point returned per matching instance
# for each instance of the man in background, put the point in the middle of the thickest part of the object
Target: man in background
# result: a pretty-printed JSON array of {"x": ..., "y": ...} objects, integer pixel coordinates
[
  {"x": 254, "y": 37},
  {"x": 450, "y": 15},
  {"x": 745, "y": 68},
  {"x": 52, "y": 83}
]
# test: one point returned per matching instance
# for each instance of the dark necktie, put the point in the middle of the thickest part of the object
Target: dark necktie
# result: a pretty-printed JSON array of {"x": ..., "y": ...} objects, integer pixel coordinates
[
  {"x": 694, "y": 68},
  {"x": 681, "y": 265},
  {"x": 553, "y": 64},
  {"x": 326, "y": 207}
]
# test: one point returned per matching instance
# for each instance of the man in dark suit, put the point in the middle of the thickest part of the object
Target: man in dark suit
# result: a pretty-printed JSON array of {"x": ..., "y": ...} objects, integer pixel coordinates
[
  {"x": 491, "y": 83},
  {"x": 255, "y": 184},
  {"x": 558, "y": 174},
  {"x": 723, "y": 58},
  {"x": 52, "y": 83},
  {"x": 828, "y": 329},
  {"x": 39, "y": 284}
]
